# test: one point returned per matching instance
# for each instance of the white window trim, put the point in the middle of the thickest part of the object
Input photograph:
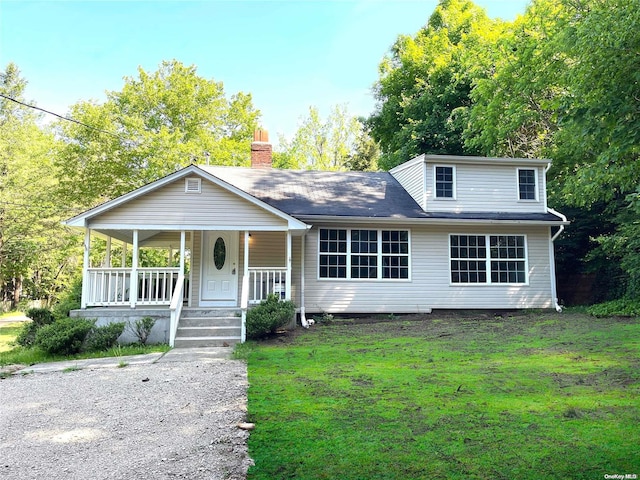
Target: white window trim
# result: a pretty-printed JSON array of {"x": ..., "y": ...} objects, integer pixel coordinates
[
  {"x": 536, "y": 189},
  {"x": 190, "y": 181},
  {"x": 348, "y": 253},
  {"x": 435, "y": 191},
  {"x": 488, "y": 260}
]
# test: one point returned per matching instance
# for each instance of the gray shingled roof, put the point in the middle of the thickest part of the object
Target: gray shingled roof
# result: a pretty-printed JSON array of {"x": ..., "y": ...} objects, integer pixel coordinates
[{"x": 306, "y": 193}]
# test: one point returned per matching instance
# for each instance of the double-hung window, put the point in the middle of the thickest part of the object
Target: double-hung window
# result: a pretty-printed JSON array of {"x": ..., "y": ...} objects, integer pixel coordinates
[
  {"x": 527, "y": 184},
  {"x": 363, "y": 254},
  {"x": 444, "y": 177},
  {"x": 488, "y": 259}
]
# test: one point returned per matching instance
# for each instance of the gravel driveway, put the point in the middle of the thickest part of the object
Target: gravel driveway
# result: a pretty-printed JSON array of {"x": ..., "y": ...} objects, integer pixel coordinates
[{"x": 149, "y": 421}]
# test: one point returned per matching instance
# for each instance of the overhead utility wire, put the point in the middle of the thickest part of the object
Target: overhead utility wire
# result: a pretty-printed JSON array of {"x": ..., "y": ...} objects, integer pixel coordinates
[{"x": 62, "y": 117}]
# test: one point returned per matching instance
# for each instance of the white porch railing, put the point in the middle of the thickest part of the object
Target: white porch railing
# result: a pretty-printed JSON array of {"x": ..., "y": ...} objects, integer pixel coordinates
[
  {"x": 111, "y": 286},
  {"x": 263, "y": 281}
]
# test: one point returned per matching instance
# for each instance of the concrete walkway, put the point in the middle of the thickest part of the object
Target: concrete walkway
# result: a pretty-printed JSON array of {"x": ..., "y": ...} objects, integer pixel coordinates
[
  {"x": 14, "y": 318},
  {"x": 203, "y": 355}
]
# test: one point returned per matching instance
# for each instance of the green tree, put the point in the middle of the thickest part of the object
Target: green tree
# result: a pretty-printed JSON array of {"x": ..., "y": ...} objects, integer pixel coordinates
[
  {"x": 35, "y": 250},
  {"x": 515, "y": 111},
  {"x": 425, "y": 82},
  {"x": 366, "y": 153},
  {"x": 566, "y": 86},
  {"x": 157, "y": 123},
  {"x": 321, "y": 144}
]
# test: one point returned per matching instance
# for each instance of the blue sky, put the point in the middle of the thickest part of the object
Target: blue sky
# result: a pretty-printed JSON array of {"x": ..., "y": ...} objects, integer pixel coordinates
[{"x": 288, "y": 54}]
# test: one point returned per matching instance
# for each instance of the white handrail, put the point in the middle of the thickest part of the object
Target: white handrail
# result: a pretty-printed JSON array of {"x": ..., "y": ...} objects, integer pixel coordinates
[
  {"x": 176, "y": 309},
  {"x": 244, "y": 304}
]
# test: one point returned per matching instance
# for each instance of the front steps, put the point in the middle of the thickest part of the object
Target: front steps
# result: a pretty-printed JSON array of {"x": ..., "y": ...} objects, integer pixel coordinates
[{"x": 208, "y": 327}]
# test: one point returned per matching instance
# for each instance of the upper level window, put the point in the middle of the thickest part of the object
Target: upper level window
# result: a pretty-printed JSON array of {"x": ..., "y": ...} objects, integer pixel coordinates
[
  {"x": 376, "y": 254},
  {"x": 527, "y": 184},
  {"x": 445, "y": 182}
]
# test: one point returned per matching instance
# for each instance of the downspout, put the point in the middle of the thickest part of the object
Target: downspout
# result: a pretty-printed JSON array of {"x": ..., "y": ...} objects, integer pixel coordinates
[
  {"x": 552, "y": 261},
  {"x": 303, "y": 317}
]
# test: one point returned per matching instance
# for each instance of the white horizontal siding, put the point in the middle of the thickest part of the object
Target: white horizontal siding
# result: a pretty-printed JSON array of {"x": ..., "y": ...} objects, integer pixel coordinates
[
  {"x": 170, "y": 205},
  {"x": 412, "y": 180},
  {"x": 484, "y": 188},
  {"x": 430, "y": 286}
]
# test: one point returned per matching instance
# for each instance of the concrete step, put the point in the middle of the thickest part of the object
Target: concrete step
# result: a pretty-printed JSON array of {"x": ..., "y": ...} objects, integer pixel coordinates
[
  {"x": 211, "y": 312},
  {"x": 212, "y": 341},
  {"x": 209, "y": 321},
  {"x": 207, "y": 331}
]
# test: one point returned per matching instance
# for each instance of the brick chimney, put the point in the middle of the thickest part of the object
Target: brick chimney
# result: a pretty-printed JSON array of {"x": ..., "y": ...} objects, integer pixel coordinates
[{"x": 260, "y": 149}]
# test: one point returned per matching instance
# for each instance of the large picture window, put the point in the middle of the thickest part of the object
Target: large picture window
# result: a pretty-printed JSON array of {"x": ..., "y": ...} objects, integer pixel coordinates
[
  {"x": 480, "y": 259},
  {"x": 363, "y": 254}
]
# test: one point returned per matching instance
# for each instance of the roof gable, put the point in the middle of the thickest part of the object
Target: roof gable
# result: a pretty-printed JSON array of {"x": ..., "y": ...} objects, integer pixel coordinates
[{"x": 142, "y": 195}]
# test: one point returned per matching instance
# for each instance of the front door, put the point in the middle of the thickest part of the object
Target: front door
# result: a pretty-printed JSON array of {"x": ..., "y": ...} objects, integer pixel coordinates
[{"x": 219, "y": 286}]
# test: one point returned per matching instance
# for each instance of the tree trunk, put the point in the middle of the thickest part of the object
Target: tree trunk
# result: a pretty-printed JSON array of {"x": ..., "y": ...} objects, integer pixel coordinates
[{"x": 17, "y": 291}]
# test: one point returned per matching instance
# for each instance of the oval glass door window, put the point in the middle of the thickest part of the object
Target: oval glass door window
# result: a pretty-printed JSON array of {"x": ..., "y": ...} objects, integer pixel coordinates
[{"x": 219, "y": 253}]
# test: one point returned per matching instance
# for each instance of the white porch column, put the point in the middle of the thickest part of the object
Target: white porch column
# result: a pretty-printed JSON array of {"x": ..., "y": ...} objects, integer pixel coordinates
[
  {"x": 133, "y": 284},
  {"x": 107, "y": 255},
  {"x": 287, "y": 290},
  {"x": 183, "y": 242},
  {"x": 245, "y": 271},
  {"x": 85, "y": 268},
  {"x": 124, "y": 254}
]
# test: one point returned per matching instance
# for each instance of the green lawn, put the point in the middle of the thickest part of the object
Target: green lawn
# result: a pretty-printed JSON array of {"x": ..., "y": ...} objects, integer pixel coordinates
[{"x": 541, "y": 396}]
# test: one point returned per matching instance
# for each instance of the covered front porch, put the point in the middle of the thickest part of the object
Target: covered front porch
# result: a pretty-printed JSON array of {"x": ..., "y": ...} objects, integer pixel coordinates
[{"x": 169, "y": 270}]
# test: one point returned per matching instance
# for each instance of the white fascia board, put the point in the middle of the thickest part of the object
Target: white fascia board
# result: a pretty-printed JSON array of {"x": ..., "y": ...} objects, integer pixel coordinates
[
  {"x": 407, "y": 164},
  {"x": 485, "y": 160},
  {"x": 176, "y": 228},
  {"x": 82, "y": 219},
  {"x": 429, "y": 221}
]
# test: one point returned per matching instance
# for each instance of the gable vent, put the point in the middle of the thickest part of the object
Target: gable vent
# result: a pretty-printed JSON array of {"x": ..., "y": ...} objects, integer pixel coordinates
[{"x": 192, "y": 185}]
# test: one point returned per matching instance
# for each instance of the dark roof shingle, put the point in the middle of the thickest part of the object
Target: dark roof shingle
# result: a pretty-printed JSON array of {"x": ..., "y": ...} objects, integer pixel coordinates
[{"x": 308, "y": 193}]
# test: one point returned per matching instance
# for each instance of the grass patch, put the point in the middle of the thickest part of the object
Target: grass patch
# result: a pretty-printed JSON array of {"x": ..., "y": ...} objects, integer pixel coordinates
[
  {"x": 8, "y": 333},
  {"x": 11, "y": 354},
  {"x": 525, "y": 396}
]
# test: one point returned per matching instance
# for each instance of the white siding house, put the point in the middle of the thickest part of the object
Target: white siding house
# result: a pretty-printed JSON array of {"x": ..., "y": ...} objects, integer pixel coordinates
[{"x": 438, "y": 232}]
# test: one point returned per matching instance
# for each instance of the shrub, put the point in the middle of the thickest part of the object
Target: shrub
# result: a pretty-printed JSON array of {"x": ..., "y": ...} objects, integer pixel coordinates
[
  {"x": 141, "y": 328},
  {"x": 624, "y": 307},
  {"x": 103, "y": 338},
  {"x": 64, "y": 336},
  {"x": 70, "y": 300},
  {"x": 40, "y": 317},
  {"x": 270, "y": 315}
]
